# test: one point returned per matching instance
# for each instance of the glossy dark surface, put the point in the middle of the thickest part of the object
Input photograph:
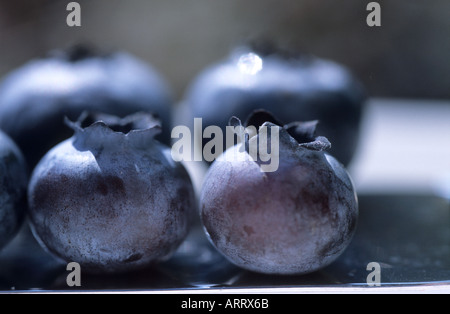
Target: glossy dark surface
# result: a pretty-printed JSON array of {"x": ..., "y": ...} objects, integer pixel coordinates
[{"x": 408, "y": 235}]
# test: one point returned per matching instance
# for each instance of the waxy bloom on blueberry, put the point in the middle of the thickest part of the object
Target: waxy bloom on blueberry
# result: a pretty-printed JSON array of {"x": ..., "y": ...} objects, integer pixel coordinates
[
  {"x": 294, "y": 87},
  {"x": 295, "y": 220},
  {"x": 111, "y": 198},
  {"x": 13, "y": 187},
  {"x": 35, "y": 98}
]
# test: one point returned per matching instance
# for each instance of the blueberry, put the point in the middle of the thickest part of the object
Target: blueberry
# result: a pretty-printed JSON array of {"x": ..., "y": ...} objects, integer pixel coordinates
[
  {"x": 293, "y": 87},
  {"x": 111, "y": 198},
  {"x": 35, "y": 98},
  {"x": 13, "y": 185},
  {"x": 295, "y": 220}
]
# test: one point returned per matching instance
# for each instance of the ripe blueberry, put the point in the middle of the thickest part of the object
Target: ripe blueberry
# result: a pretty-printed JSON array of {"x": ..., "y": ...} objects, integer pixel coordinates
[
  {"x": 293, "y": 87},
  {"x": 13, "y": 185},
  {"x": 111, "y": 198},
  {"x": 295, "y": 220},
  {"x": 35, "y": 98}
]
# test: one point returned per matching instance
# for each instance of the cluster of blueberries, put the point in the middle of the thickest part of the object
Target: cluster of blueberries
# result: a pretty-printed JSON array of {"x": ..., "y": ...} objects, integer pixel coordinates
[{"x": 85, "y": 154}]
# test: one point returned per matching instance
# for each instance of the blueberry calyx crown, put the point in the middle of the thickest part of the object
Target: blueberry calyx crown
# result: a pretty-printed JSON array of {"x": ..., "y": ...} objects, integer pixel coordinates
[
  {"x": 304, "y": 133},
  {"x": 93, "y": 130}
]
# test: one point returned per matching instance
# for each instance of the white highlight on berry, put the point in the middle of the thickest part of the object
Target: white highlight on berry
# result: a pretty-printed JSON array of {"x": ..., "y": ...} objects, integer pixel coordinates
[{"x": 250, "y": 64}]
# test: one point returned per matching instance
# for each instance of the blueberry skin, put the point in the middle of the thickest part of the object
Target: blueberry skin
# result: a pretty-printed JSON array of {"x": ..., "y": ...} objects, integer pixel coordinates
[
  {"x": 35, "y": 98},
  {"x": 109, "y": 201},
  {"x": 294, "y": 89},
  {"x": 13, "y": 186},
  {"x": 296, "y": 220}
]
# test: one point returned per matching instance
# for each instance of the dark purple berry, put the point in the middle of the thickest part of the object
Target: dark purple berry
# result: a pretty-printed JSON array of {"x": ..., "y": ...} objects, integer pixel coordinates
[
  {"x": 13, "y": 186},
  {"x": 295, "y": 220},
  {"x": 293, "y": 87},
  {"x": 35, "y": 98},
  {"x": 111, "y": 198}
]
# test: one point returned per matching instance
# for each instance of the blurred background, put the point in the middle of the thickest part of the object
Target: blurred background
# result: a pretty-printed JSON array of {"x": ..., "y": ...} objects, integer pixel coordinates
[
  {"x": 404, "y": 64},
  {"x": 406, "y": 57}
]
